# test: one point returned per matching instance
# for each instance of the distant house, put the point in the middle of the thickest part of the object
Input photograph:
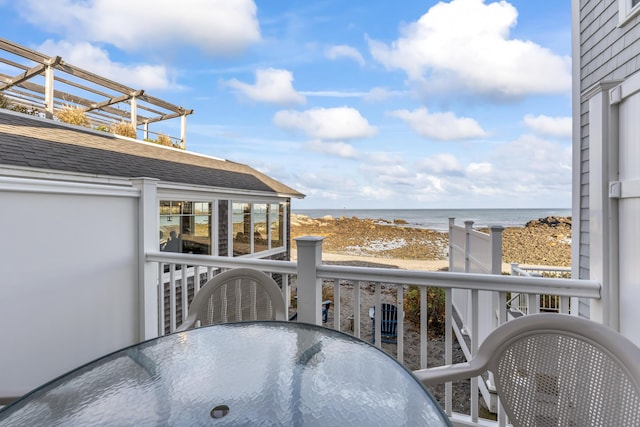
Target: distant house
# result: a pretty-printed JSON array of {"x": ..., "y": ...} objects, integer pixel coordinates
[
  {"x": 606, "y": 157},
  {"x": 79, "y": 208}
]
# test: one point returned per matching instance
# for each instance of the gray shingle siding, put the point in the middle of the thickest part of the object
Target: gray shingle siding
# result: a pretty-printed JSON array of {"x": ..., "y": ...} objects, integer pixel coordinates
[{"x": 607, "y": 52}]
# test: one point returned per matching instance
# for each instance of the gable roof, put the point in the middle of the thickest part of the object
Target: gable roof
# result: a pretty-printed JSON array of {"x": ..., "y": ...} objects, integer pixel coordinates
[{"x": 40, "y": 143}]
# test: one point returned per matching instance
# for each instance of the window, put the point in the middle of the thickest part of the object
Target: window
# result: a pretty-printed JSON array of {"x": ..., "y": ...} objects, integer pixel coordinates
[
  {"x": 627, "y": 10},
  {"x": 257, "y": 227},
  {"x": 276, "y": 219},
  {"x": 241, "y": 229},
  {"x": 185, "y": 227}
]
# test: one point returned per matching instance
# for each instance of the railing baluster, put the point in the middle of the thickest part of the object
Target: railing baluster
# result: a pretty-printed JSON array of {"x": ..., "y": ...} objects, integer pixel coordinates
[
  {"x": 172, "y": 298},
  {"x": 185, "y": 292},
  {"x": 161, "y": 311},
  {"x": 474, "y": 350},
  {"x": 448, "y": 347},
  {"x": 356, "y": 309},
  {"x": 400, "y": 320},
  {"x": 423, "y": 328},
  {"x": 377, "y": 315},
  {"x": 336, "y": 304}
]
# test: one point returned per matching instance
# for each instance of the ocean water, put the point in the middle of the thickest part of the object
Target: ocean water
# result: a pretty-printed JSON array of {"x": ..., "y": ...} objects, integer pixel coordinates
[{"x": 438, "y": 219}]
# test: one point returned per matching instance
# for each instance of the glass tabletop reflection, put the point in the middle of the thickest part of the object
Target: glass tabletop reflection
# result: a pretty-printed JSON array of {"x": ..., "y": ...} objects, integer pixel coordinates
[{"x": 250, "y": 373}]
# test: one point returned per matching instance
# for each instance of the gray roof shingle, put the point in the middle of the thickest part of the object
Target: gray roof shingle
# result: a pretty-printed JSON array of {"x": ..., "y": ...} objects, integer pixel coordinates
[{"x": 40, "y": 143}]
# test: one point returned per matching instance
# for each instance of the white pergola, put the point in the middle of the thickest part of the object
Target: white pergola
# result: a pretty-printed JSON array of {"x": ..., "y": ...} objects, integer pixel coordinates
[{"x": 44, "y": 84}]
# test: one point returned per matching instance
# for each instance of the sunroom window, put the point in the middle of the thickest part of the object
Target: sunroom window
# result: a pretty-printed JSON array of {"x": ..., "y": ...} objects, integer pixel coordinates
[
  {"x": 185, "y": 226},
  {"x": 257, "y": 227}
]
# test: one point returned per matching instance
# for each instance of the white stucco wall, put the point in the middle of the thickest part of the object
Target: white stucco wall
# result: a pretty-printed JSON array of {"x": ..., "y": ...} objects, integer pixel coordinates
[{"x": 68, "y": 277}]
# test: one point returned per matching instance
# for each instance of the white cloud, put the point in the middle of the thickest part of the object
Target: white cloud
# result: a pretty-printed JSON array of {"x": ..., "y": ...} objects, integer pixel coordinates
[
  {"x": 341, "y": 123},
  {"x": 272, "y": 85},
  {"x": 466, "y": 43},
  {"x": 215, "y": 26},
  {"x": 479, "y": 169},
  {"x": 381, "y": 94},
  {"x": 374, "y": 95},
  {"x": 96, "y": 60},
  {"x": 440, "y": 126},
  {"x": 343, "y": 51},
  {"x": 442, "y": 163},
  {"x": 334, "y": 94},
  {"x": 339, "y": 149},
  {"x": 560, "y": 127}
]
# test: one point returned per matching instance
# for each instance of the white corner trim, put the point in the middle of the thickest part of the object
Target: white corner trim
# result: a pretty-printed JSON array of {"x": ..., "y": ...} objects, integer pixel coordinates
[{"x": 25, "y": 185}]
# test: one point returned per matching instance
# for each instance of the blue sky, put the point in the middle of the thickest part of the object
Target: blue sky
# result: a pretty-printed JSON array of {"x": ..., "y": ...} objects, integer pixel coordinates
[{"x": 357, "y": 104}]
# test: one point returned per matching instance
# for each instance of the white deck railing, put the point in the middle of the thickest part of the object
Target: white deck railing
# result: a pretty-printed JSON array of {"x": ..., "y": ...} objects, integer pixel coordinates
[
  {"x": 523, "y": 304},
  {"x": 309, "y": 275}
]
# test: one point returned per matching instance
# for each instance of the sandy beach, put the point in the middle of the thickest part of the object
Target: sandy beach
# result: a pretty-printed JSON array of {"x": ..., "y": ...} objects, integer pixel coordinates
[{"x": 375, "y": 243}]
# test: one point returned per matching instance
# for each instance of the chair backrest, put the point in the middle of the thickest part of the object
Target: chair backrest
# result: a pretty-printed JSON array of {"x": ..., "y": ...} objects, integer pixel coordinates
[
  {"x": 553, "y": 369},
  {"x": 388, "y": 323},
  {"x": 239, "y": 294}
]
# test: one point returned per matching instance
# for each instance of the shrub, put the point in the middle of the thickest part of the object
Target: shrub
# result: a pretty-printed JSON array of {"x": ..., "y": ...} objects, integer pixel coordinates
[
  {"x": 72, "y": 115},
  {"x": 435, "y": 309},
  {"x": 124, "y": 129},
  {"x": 164, "y": 140},
  {"x": 4, "y": 101}
]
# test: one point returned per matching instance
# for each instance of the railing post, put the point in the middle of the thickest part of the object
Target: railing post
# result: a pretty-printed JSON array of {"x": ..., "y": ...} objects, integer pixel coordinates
[
  {"x": 452, "y": 222},
  {"x": 148, "y": 275},
  {"x": 496, "y": 248},
  {"x": 468, "y": 228},
  {"x": 309, "y": 284}
]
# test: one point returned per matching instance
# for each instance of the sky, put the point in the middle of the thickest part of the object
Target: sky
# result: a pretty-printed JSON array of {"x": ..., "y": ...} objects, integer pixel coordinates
[{"x": 363, "y": 104}]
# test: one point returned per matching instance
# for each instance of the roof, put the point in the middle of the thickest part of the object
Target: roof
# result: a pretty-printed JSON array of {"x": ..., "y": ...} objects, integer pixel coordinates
[{"x": 45, "y": 144}]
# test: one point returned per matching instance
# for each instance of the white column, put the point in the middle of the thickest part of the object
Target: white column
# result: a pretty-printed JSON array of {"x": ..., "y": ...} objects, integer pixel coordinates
[
  {"x": 148, "y": 241},
  {"x": 183, "y": 131},
  {"x": 48, "y": 92},
  {"x": 134, "y": 113},
  {"x": 601, "y": 221},
  {"x": 309, "y": 285}
]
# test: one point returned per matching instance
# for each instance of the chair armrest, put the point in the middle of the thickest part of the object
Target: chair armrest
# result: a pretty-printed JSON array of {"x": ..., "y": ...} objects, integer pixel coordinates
[
  {"x": 445, "y": 374},
  {"x": 188, "y": 323}
]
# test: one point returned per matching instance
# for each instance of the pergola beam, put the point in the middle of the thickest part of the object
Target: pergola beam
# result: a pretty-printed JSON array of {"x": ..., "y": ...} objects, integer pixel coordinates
[
  {"x": 168, "y": 116},
  {"x": 38, "y": 69},
  {"x": 111, "y": 101}
]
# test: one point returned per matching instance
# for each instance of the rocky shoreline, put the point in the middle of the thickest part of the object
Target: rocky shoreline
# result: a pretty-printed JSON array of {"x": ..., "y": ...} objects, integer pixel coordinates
[{"x": 544, "y": 241}]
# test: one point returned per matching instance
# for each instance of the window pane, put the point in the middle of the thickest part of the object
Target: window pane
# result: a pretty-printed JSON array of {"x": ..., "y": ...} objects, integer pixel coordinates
[
  {"x": 260, "y": 242},
  {"x": 202, "y": 208},
  {"x": 182, "y": 231},
  {"x": 241, "y": 229},
  {"x": 187, "y": 208},
  {"x": 276, "y": 213},
  {"x": 165, "y": 207}
]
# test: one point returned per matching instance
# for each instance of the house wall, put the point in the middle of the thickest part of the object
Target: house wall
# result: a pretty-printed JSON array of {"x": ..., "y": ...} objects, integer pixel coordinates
[
  {"x": 68, "y": 282},
  {"x": 607, "y": 52}
]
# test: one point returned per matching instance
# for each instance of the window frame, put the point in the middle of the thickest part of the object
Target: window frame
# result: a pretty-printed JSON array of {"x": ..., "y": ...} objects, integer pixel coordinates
[
  {"x": 627, "y": 11},
  {"x": 271, "y": 249}
]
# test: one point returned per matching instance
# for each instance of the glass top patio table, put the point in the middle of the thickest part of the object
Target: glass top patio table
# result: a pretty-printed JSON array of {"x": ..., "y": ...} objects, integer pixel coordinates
[{"x": 250, "y": 373}]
